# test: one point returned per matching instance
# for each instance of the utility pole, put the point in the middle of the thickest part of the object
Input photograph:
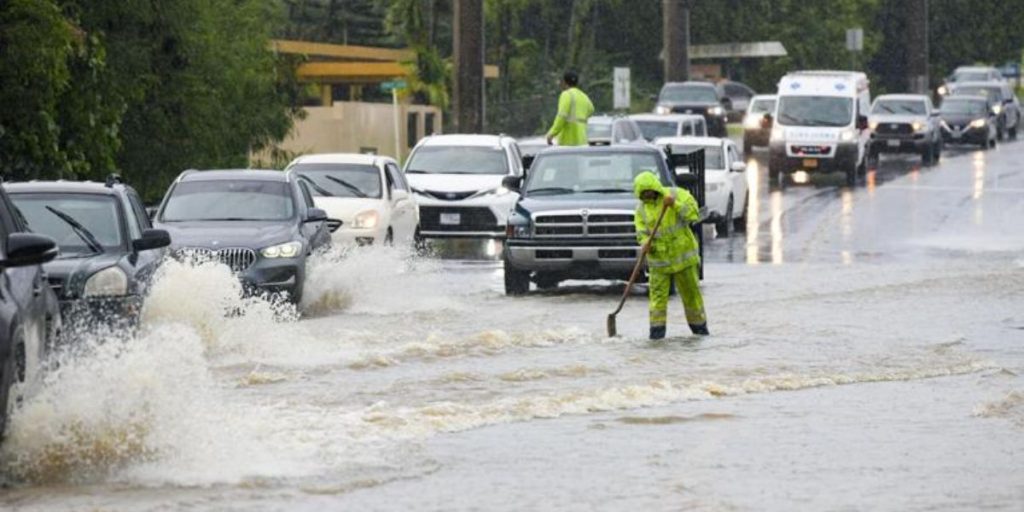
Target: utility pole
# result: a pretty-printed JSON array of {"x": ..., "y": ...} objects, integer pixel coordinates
[
  {"x": 675, "y": 15},
  {"x": 916, "y": 16},
  {"x": 468, "y": 32}
]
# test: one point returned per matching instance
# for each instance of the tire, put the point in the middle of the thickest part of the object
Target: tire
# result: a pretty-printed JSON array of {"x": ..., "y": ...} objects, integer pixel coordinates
[
  {"x": 547, "y": 281},
  {"x": 851, "y": 177},
  {"x": 517, "y": 282},
  {"x": 724, "y": 226},
  {"x": 1013, "y": 132},
  {"x": 10, "y": 374},
  {"x": 739, "y": 224},
  {"x": 773, "y": 179},
  {"x": 928, "y": 156},
  {"x": 938, "y": 151}
]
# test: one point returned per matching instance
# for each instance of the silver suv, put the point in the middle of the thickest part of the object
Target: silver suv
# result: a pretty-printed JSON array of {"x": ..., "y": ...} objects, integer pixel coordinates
[{"x": 905, "y": 123}]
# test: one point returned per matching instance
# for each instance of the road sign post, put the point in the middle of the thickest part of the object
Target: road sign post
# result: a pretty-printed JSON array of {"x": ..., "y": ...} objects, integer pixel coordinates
[
  {"x": 620, "y": 88},
  {"x": 854, "y": 43},
  {"x": 394, "y": 86}
]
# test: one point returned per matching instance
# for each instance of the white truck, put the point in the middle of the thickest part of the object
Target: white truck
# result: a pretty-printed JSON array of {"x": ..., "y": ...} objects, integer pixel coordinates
[{"x": 820, "y": 125}]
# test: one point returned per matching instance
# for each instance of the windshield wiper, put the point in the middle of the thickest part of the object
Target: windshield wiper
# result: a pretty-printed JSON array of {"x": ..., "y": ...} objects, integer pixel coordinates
[
  {"x": 94, "y": 245},
  {"x": 355, "y": 190},
  {"x": 416, "y": 171},
  {"x": 550, "y": 190},
  {"x": 607, "y": 190},
  {"x": 319, "y": 190}
]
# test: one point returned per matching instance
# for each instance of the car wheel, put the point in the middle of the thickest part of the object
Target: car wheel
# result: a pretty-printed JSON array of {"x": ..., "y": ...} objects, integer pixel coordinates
[
  {"x": 851, "y": 176},
  {"x": 739, "y": 224},
  {"x": 547, "y": 281},
  {"x": 938, "y": 151},
  {"x": 1013, "y": 132},
  {"x": 928, "y": 155},
  {"x": 389, "y": 238},
  {"x": 724, "y": 226},
  {"x": 12, "y": 371},
  {"x": 517, "y": 282}
]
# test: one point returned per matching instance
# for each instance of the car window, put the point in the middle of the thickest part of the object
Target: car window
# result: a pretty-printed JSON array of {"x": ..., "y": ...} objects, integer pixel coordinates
[
  {"x": 341, "y": 180},
  {"x": 517, "y": 155},
  {"x": 763, "y": 106},
  {"x": 458, "y": 160},
  {"x": 6, "y": 223},
  {"x": 133, "y": 222},
  {"x": 395, "y": 177},
  {"x": 733, "y": 155},
  {"x": 702, "y": 128},
  {"x": 688, "y": 93},
  {"x": 140, "y": 210},
  {"x": 714, "y": 157},
  {"x": 599, "y": 128},
  {"x": 54, "y": 215},
  {"x": 910, "y": 107},
  {"x": 687, "y": 127},
  {"x": 736, "y": 91},
  {"x": 580, "y": 173},
  {"x": 229, "y": 200},
  {"x": 307, "y": 196}
]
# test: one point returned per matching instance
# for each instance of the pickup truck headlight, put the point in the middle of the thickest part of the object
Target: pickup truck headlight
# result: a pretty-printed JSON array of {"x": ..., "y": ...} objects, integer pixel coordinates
[
  {"x": 873, "y": 125},
  {"x": 662, "y": 109},
  {"x": 716, "y": 110},
  {"x": 285, "y": 250},
  {"x": 109, "y": 282},
  {"x": 917, "y": 126},
  {"x": 366, "y": 220},
  {"x": 517, "y": 230}
]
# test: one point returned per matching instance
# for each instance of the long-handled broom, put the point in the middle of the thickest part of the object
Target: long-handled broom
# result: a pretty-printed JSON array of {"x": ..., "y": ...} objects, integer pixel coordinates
[{"x": 612, "y": 331}]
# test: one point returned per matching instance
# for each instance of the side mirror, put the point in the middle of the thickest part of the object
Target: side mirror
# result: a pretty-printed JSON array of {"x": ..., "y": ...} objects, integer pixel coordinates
[
  {"x": 333, "y": 225},
  {"x": 24, "y": 249},
  {"x": 512, "y": 183},
  {"x": 738, "y": 167},
  {"x": 528, "y": 161},
  {"x": 767, "y": 121},
  {"x": 399, "y": 195},
  {"x": 862, "y": 122},
  {"x": 315, "y": 215},
  {"x": 152, "y": 239}
]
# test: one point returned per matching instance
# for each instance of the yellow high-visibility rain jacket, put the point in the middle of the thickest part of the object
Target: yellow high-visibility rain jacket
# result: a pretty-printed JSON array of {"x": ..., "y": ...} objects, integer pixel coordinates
[
  {"x": 570, "y": 126},
  {"x": 675, "y": 246}
]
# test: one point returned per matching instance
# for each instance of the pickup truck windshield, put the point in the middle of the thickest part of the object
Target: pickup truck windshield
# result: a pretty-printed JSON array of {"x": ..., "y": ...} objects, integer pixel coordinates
[
  {"x": 815, "y": 111},
  {"x": 458, "y": 160},
  {"x": 688, "y": 94},
  {"x": 580, "y": 173},
  {"x": 654, "y": 129},
  {"x": 903, "y": 107}
]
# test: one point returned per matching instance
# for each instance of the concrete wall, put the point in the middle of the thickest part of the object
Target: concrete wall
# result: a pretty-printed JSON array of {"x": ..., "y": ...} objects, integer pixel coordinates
[{"x": 355, "y": 127}]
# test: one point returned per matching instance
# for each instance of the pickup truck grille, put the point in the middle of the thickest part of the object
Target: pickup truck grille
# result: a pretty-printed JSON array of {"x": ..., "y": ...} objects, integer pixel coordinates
[
  {"x": 894, "y": 129},
  {"x": 584, "y": 224}
]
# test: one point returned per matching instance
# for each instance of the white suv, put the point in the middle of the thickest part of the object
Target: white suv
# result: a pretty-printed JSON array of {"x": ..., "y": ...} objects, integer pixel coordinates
[
  {"x": 457, "y": 180},
  {"x": 367, "y": 193},
  {"x": 725, "y": 179}
]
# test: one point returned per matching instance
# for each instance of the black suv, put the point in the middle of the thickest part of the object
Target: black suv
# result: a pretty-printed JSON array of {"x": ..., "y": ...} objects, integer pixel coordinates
[
  {"x": 696, "y": 98},
  {"x": 109, "y": 251},
  {"x": 1004, "y": 103},
  {"x": 261, "y": 224},
  {"x": 29, "y": 315}
]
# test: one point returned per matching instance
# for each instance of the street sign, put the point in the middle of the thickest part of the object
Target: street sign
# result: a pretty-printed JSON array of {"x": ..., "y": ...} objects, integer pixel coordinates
[
  {"x": 855, "y": 39},
  {"x": 392, "y": 85},
  {"x": 620, "y": 88}
]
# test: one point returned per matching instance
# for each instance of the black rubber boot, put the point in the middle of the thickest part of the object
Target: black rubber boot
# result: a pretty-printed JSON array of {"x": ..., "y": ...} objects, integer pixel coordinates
[
  {"x": 701, "y": 329},
  {"x": 657, "y": 333}
]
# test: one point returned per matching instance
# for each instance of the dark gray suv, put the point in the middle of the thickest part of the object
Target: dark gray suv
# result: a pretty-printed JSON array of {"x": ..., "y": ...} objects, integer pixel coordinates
[{"x": 261, "y": 224}]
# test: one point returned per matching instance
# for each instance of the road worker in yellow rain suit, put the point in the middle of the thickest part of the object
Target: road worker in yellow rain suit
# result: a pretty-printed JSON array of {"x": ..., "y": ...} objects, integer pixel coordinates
[
  {"x": 674, "y": 255},
  {"x": 574, "y": 108}
]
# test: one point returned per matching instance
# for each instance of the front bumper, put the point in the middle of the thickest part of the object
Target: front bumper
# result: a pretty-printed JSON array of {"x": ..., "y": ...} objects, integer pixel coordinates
[
  {"x": 589, "y": 259},
  {"x": 842, "y": 158},
  {"x": 965, "y": 136},
  {"x": 483, "y": 217},
  {"x": 274, "y": 275},
  {"x": 108, "y": 312},
  {"x": 350, "y": 236}
]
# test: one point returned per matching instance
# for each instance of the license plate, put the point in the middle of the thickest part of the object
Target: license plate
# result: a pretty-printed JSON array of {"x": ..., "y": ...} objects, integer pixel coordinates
[
  {"x": 451, "y": 219},
  {"x": 894, "y": 143},
  {"x": 811, "y": 162}
]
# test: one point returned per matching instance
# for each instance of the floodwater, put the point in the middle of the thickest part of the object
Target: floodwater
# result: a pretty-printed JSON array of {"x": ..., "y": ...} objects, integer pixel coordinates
[{"x": 867, "y": 354}]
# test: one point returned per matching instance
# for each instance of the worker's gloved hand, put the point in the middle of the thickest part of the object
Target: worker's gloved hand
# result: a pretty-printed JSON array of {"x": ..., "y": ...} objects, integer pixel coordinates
[
  {"x": 669, "y": 201},
  {"x": 550, "y": 140}
]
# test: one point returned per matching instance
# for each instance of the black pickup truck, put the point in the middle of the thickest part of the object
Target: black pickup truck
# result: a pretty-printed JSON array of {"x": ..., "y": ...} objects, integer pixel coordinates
[{"x": 574, "y": 219}]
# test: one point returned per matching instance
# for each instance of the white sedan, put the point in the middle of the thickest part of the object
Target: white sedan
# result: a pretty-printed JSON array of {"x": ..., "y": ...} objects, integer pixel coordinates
[
  {"x": 725, "y": 177},
  {"x": 367, "y": 193}
]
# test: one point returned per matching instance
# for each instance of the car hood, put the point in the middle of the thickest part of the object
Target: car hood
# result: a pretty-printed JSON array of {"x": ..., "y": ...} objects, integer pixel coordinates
[
  {"x": 624, "y": 201},
  {"x": 73, "y": 272},
  {"x": 455, "y": 182},
  {"x": 897, "y": 118},
  {"x": 345, "y": 209},
  {"x": 219, "y": 234}
]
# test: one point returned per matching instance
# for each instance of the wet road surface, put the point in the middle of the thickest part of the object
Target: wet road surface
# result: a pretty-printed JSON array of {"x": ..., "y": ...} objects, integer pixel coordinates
[{"x": 867, "y": 353}]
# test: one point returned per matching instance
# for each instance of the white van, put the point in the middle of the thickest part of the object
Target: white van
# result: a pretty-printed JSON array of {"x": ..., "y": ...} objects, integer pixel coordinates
[{"x": 820, "y": 124}]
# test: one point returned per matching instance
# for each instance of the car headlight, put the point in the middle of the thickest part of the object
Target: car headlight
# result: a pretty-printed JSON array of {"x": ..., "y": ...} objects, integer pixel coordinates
[
  {"x": 917, "y": 126},
  {"x": 109, "y": 282},
  {"x": 662, "y": 109},
  {"x": 848, "y": 135},
  {"x": 716, "y": 110},
  {"x": 285, "y": 250},
  {"x": 943, "y": 90},
  {"x": 996, "y": 109},
  {"x": 500, "y": 191},
  {"x": 978, "y": 123},
  {"x": 873, "y": 125},
  {"x": 517, "y": 231},
  {"x": 366, "y": 220}
]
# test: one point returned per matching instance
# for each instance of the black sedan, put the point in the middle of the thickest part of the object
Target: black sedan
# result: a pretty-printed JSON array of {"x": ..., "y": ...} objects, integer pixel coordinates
[
  {"x": 108, "y": 249},
  {"x": 29, "y": 318},
  {"x": 968, "y": 120},
  {"x": 261, "y": 224},
  {"x": 696, "y": 98}
]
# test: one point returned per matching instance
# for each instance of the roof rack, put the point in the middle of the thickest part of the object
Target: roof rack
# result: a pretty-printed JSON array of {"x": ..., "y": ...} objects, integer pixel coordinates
[{"x": 114, "y": 179}]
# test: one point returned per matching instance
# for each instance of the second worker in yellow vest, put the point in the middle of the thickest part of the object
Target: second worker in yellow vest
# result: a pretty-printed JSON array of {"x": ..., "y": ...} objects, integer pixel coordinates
[{"x": 574, "y": 108}]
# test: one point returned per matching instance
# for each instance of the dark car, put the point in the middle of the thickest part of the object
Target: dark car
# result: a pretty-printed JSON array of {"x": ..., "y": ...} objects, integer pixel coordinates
[
  {"x": 603, "y": 130},
  {"x": 262, "y": 224},
  {"x": 696, "y": 98},
  {"x": 109, "y": 251},
  {"x": 574, "y": 219},
  {"x": 29, "y": 316},
  {"x": 737, "y": 98},
  {"x": 968, "y": 120},
  {"x": 1004, "y": 103}
]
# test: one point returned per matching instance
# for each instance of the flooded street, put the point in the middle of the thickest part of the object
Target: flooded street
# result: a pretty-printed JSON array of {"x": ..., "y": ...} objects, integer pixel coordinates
[{"x": 867, "y": 353}]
